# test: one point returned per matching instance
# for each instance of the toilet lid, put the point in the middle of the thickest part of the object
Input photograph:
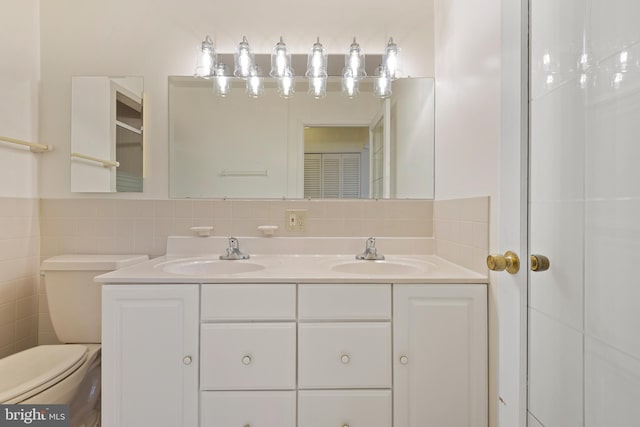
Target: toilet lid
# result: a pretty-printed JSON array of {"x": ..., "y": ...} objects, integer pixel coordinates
[{"x": 36, "y": 367}]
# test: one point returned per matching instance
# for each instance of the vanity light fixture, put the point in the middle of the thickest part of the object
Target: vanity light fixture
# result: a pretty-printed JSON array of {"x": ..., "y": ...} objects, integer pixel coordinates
[
  {"x": 317, "y": 70},
  {"x": 255, "y": 86},
  {"x": 382, "y": 82},
  {"x": 391, "y": 58},
  {"x": 350, "y": 84},
  {"x": 222, "y": 80},
  {"x": 354, "y": 60},
  {"x": 286, "y": 84},
  {"x": 243, "y": 59},
  {"x": 280, "y": 60},
  {"x": 206, "y": 59}
]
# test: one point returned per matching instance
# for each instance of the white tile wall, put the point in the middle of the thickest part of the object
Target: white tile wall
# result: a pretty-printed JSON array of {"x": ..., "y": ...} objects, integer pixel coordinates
[
  {"x": 461, "y": 230},
  {"x": 19, "y": 244},
  {"x": 585, "y": 205},
  {"x": 555, "y": 372},
  {"x": 142, "y": 226}
]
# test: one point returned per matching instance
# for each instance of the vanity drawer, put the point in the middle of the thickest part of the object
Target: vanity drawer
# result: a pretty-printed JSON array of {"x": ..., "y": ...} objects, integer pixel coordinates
[
  {"x": 248, "y": 408},
  {"x": 344, "y": 302},
  {"x": 354, "y": 408},
  {"x": 246, "y": 356},
  {"x": 344, "y": 355},
  {"x": 248, "y": 302}
]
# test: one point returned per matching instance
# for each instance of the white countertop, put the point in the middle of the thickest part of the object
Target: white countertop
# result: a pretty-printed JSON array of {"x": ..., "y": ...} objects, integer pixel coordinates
[
  {"x": 197, "y": 260},
  {"x": 297, "y": 269}
]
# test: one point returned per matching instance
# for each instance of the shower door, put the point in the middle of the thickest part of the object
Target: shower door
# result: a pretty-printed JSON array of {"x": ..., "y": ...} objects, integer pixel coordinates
[{"x": 583, "y": 343}]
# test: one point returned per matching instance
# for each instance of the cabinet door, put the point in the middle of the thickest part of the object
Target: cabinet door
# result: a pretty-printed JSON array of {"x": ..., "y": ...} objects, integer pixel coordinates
[
  {"x": 440, "y": 355},
  {"x": 150, "y": 355}
]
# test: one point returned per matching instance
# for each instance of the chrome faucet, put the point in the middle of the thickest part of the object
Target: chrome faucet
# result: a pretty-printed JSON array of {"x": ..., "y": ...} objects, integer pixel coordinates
[
  {"x": 233, "y": 251},
  {"x": 370, "y": 251}
]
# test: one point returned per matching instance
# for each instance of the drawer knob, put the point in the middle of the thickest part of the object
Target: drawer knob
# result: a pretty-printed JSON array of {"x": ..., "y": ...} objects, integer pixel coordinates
[
  {"x": 404, "y": 360},
  {"x": 345, "y": 358},
  {"x": 187, "y": 360},
  {"x": 246, "y": 360},
  {"x": 345, "y": 425}
]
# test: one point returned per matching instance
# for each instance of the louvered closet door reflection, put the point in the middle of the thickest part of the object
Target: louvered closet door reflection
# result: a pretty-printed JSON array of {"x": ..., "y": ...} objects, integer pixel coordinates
[{"x": 332, "y": 175}]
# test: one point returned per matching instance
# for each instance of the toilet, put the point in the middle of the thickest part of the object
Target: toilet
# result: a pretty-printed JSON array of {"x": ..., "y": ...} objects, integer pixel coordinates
[{"x": 66, "y": 373}]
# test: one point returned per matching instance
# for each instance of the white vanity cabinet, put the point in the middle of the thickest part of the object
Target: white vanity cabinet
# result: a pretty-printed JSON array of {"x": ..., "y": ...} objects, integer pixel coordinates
[
  {"x": 248, "y": 355},
  {"x": 344, "y": 355},
  {"x": 295, "y": 355},
  {"x": 150, "y": 355},
  {"x": 440, "y": 362}
]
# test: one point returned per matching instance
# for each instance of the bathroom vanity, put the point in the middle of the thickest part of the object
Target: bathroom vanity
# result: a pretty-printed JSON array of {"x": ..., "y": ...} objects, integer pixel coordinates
[{"x": 295, "y": 340}]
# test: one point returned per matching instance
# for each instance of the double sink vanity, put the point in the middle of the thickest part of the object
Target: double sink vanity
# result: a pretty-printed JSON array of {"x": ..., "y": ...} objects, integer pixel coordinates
[{"x": 295, "y": 335}]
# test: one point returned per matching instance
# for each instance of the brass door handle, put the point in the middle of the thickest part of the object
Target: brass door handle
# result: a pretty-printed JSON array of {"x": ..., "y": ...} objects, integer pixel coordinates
[
  {"x": 539, "y": 263},
  {"x": 509, "y": 261}
]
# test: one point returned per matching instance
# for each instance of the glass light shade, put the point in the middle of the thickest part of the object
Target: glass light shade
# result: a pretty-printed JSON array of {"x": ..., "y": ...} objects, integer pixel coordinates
[
  {"x": 286, "y": 84},
  {"x": 350, "y": 84},
  {"x": 318, "y": 87},
  {"x": 243, "y": 59},
  {"x": 354, "y": 60},
  {"x": 382, "y": 82},
  {"x": 255, "y": 85},
  {"x": 392, "y": 58},
  {"x": 317, "y": 61},
  {"x": 280, "y": 60},
  {"x": 206, "y": 59},
  {"x": 222, "y": 80}
]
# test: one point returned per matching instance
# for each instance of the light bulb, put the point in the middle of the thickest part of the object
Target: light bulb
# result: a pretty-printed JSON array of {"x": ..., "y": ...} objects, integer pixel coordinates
[
  {"x": 223, "y": 82},
  {"x": 382, "y": 82},
  {"x": 286, "y": 84},
  {"x": 254, "y": 84},
  {"x": 206, "y": 59},
  {"x": 392, "y": 58},
  {"x": 280, "y": 60},
  {"x": 350, "y": 84},
  {"x": 317, "y": 61},
  {"x": 354, "y": 60},
  {"x": 243, "y": 59},
  {"x": 318, "y": 87}
]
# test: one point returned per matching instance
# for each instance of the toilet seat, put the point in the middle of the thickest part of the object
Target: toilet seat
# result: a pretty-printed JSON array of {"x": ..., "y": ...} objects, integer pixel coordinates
[{"x": 31, "y": 371}]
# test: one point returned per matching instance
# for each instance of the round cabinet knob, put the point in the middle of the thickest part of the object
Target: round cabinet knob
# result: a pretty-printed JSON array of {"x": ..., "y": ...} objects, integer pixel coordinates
[
  {"x": 539, "y": 263},
  {"x": 187, "y": 360},
  {"x": 345, "y": 425},
  {"x": 404, "y": 360},
  {"x": 509, "y": 261},
  {"x": 246, "y": 360},
  {"x": 345, "y": 358}
]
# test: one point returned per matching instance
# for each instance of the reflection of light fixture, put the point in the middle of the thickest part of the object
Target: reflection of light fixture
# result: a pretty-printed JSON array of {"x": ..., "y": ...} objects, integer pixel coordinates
[
  {"x": 223, "y": 83},
  {"x": 382, "y": 82},
  {"x": 354, "y": 60},
  {"x": 254, "y": 82},
  {"x": 318, "y": 87},
  {"x": 350, "y": 84},
  {"x": 206, "y": 59},
  {"x": 280, "y": 60},
  {"x": 286, "y": 84},
  {"x": 243, "y": 59},
  {"x": 391, "y": 58}
]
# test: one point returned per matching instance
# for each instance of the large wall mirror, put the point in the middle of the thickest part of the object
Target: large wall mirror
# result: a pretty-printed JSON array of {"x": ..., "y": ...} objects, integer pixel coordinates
[
  {"x": 107, "y": 134},
  {"x": 301, "y": 147}
]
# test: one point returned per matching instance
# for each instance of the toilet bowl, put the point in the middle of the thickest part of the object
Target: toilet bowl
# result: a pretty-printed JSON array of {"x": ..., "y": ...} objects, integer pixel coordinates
[{"x": 66, "y": 373}]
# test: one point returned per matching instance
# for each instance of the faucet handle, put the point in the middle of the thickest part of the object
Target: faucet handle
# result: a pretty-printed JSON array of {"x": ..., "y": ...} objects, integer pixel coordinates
[
  {"x": 233, "y": 243},
  {"x": 371, "y": 243}
]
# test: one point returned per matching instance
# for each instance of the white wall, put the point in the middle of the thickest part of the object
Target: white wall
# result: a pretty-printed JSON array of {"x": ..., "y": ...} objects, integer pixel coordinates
[
  {"x": 155, "y": 39},
  {"x": 19, "y": 73},
  {"x": 467, "y": 71}
]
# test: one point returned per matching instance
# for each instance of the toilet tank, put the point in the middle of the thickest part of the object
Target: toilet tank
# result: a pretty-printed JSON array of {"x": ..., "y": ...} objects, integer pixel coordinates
[{"x": 74, "y": 299}]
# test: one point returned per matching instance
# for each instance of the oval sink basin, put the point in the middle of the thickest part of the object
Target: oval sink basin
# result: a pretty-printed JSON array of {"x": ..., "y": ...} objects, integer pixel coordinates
[
  {"x": 205, "y": 267},
  {"x": 378, "y": 267}
]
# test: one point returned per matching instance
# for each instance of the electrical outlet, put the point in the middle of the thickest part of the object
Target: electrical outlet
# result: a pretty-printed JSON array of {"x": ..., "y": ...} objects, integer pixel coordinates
[{"x": 296, "y": 219}]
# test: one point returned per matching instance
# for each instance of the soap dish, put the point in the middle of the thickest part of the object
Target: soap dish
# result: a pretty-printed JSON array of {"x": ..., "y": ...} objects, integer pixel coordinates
[
  {"x": 202, "y": 231},
  {"x": 268, "y": 230}
]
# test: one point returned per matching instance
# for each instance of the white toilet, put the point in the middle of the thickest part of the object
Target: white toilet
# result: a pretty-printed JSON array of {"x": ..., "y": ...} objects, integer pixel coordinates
[{"x": 66, "y": 373}]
